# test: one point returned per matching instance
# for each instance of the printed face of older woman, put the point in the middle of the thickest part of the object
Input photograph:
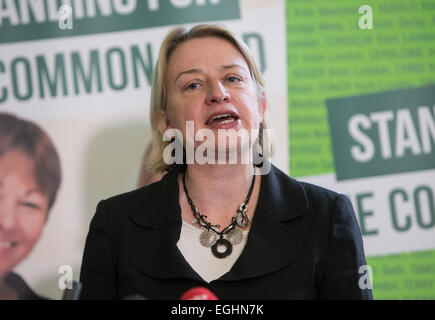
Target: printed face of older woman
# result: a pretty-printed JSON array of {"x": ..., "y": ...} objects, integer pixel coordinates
[
  {"x": 209, "y": 83},
  {"x": 23, "y": 209}
]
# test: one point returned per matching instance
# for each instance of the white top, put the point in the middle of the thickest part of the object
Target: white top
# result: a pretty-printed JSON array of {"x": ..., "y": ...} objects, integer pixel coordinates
[{"x": 201, "y": 259}]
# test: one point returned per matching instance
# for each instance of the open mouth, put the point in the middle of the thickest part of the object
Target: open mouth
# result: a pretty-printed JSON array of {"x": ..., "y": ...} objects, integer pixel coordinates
[
  {"x": 222, "y": 118},
  {"x": 8, "y": 244}
]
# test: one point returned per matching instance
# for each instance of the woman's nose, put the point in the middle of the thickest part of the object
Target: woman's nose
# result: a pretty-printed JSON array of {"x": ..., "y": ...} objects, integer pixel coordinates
[
  {"x": 8, "y": 219},
  {"x": 217, "y": 93}
]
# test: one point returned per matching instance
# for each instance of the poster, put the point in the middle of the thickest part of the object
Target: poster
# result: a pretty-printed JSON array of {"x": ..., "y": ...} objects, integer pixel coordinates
[
  {"x": 81, "y": 70},
  {"x": 362, "y": 122},
  {"x": 341, "y": 75}
]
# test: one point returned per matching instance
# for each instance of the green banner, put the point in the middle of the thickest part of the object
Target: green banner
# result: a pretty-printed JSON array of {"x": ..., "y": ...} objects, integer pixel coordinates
[
  {"x": 335, "y": 50},
  {"x": 383, "y": 133},
  {"x": 330, "y": 56},
  {"x": 29, "y": 20}
]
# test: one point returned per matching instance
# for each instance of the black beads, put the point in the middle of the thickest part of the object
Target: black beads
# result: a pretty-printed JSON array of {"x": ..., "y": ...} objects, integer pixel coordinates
[
  {"x": 226, "y": 244},
  {"x": 207, "y": 238}
]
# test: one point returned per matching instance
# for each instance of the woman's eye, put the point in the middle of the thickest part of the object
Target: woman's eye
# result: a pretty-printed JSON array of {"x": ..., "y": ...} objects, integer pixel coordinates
[
  {"x": 192, "y": 86},
  {"x": 30, "y": 205},
  {"x": 234, "y": 79}
]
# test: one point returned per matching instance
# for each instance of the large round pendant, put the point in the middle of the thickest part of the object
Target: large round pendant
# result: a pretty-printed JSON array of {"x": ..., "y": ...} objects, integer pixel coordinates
[
  {"x": 226, "y": 244},
  {"x": 235, "y": 236},
  {"x": 207, "y": 238}
]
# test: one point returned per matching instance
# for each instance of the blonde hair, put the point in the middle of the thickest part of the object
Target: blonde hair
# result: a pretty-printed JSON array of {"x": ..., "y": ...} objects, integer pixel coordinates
[{"x": 171, "y": 42}]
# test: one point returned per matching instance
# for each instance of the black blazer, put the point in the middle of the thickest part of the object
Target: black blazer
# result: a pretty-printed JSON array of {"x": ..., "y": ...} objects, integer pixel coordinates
[
  {"x": 23, "y": 291},
  {"x": 304, "y": 243}
]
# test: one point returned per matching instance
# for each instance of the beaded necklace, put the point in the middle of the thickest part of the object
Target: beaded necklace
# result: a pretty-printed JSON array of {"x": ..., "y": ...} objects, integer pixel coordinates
[{"x": 213, "y": 238}]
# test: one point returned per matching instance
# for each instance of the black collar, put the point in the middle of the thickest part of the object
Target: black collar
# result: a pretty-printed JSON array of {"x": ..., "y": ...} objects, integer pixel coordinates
[{"x": 270, "y": 244}]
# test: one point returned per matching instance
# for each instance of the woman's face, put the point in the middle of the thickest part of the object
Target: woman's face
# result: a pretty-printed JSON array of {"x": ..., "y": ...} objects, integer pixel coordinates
[
  {"x": 209, "y": 83},
  {"x": 23, "y": 209}
]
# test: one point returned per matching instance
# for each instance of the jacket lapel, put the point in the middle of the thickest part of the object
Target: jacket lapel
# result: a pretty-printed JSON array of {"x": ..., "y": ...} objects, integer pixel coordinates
[
  {"x": 270, "y": 246},
  {"x": 156, "y": 255},
  {"x": 158, "y": 216}
]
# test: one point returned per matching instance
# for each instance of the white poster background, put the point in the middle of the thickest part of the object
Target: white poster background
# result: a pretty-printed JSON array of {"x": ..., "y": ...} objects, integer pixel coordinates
[
  {"x": 101, "y": 137},
  {"x": 388, "y": 240}
]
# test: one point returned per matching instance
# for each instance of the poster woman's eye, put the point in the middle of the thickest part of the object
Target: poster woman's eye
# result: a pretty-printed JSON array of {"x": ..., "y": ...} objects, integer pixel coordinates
[{"x": 30, "y": 205}]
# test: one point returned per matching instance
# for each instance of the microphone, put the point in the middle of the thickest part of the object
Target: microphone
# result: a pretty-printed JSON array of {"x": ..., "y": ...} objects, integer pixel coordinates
[
  {"x": 134, "y": 297},
  {"x": 73, "y": 293},
  {"x": 198, "y": 293}
]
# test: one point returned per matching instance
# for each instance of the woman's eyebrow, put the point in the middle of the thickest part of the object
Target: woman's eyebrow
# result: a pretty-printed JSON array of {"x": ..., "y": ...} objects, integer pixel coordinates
[
  {"x": 224, "y": 67},
  {"x": 188, "y": 72},
  {"x": 230, "y": 66},
  {"x": 32, "y": 191}
]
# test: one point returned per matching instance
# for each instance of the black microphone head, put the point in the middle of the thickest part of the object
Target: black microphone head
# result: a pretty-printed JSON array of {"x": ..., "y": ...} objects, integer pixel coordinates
[
  {"x": 73, "y": 293},
  {"x": 134, "y": 297}
]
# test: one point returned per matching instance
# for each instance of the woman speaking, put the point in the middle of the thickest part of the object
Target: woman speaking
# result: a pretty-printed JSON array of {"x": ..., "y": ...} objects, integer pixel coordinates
[{"x": 222, "y": 217}]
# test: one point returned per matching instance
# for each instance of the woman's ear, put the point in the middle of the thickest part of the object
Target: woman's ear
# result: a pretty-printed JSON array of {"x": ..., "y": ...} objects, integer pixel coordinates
[
  {"x": 262, "y": 105},
  {"x": 162, "y": 122}
]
